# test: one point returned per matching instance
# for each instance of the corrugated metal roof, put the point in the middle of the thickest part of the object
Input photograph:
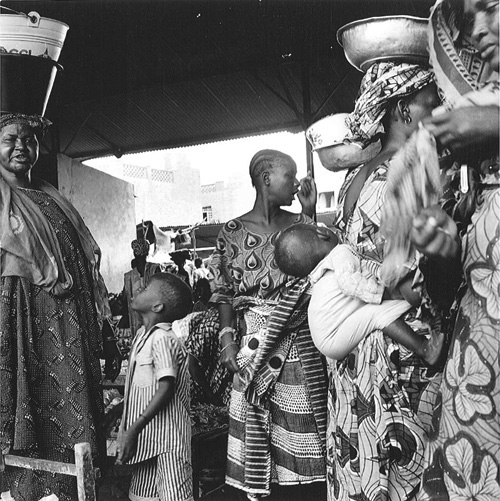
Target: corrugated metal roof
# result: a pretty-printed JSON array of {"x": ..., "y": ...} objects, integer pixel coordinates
[{"x": 151, "y": 74}]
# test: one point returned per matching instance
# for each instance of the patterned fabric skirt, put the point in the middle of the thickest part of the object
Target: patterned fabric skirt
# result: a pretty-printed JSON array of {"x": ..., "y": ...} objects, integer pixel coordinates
[
  {"x": 283, "y": 433},
  {"x": 380, "y": 409},
  {"x": 50, "y": 374}
]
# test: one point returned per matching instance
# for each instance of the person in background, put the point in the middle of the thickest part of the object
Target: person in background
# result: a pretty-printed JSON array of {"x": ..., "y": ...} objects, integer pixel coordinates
[
  {"x": 199, "y": 272},
  {"x": 463, "y": 454},
  {"x": 136, "y": 278},
  {"x": 182, "y": 259},
  {"x": 155, "y": 432},
  {"x": 278, "y": 413},
  {"x": 201, "y": 294},
  {"x": 53, "y": 321}
]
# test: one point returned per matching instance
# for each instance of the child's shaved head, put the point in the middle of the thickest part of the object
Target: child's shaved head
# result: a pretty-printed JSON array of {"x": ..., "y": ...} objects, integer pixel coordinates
[
  {"x": 301, "y": 247},
  {"x": 175, "y": 294}
]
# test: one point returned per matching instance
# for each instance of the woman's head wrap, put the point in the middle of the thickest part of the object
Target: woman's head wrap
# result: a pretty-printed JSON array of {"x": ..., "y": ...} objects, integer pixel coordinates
[
  {"x": 140, "y": 247},
  {"x": 38, "y": 123},
  {"x": 457, "y": 66},
  {"x": 382, "y": 83}
]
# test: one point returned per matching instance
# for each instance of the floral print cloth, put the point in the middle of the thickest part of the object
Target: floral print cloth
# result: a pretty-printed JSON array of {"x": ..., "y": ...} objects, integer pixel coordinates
[
  {"x": 463, "y": 454},
  {"x": 381, "y": 396}
]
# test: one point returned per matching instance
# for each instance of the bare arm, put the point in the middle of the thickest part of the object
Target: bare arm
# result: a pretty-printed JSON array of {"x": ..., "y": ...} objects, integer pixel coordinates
[
  {"x": 405, "y": 289},
  {"x": 229, "y": 348},
  {"x": 435, "y": 234},
  {"x": 463, "y": 128},
  {"x": 127, "y": 441},
  {"x": 308, "y": 195}
]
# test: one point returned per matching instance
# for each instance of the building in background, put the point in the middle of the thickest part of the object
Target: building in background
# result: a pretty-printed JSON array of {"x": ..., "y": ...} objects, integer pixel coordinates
[
  {"x": 168, "y": 190},
  {"x": 209, "y": 183}
]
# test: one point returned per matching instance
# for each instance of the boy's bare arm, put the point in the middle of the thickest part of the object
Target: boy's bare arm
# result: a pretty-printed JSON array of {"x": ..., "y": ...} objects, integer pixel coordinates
[{"x": 127, "y": 442}]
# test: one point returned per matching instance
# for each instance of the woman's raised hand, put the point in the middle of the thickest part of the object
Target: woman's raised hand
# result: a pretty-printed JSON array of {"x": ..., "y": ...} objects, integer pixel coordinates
[
  {"x": 308, "y": 194},
  {"x": 435, "y": 234},
  {"x": 462, "y": 128}
]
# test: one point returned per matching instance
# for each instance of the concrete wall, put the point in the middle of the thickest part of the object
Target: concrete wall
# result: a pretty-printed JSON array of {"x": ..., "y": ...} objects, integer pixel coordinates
[
  {"x": 228, "y": 199},
  {"x": 167, "y": 193},
  {"x": 107, "y": 206}
]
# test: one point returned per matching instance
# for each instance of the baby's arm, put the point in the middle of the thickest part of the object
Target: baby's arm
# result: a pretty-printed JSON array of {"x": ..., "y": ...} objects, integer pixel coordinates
[
  {"x": 407, "y": 292},
  {"x": 127, "y": 441}
]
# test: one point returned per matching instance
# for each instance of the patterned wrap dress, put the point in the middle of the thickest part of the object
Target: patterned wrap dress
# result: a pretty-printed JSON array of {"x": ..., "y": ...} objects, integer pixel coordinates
[
  {"x": 287, "y": 432},
  {"x": 463, "y": 455},
  {"x": 381, "y": 395},
  {"x": 50, "y": 374}
]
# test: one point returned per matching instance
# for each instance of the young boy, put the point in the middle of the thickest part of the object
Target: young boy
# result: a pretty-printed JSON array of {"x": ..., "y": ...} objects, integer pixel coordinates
[
  {"x": 347, "y": 303},
  {"x": 155, "y": 433}
]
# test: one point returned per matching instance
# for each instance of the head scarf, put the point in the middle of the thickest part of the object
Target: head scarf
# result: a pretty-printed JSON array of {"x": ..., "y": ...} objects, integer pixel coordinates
[
  {"x": 36, "y": 122},
  {"x": 457, "y": 66},
  {"x": 140, "y": 247},
  {"x": 382, "y": 82}
]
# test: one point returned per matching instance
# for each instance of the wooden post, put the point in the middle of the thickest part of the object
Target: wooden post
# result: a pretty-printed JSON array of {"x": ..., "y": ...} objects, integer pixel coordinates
[{"x": 85, "y": 475}]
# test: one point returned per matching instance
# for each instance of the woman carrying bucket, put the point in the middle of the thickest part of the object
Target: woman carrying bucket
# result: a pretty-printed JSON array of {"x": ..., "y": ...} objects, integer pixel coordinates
[{"x": 53, "y": 305}]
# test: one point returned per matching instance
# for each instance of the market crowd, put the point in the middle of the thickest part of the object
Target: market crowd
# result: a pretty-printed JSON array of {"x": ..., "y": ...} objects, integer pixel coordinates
[{"x": 358, "y": 361}]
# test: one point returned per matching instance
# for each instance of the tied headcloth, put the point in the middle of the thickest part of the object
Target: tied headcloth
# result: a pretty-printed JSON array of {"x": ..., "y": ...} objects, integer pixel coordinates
[
  {"x": 38, "y": 123},
  {"x": 382, "y": 83},
  {"x": 140, "y": 247}
]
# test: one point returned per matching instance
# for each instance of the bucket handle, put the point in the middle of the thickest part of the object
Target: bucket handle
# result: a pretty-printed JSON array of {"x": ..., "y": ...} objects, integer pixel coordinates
[{"x": 33, "y": 17}]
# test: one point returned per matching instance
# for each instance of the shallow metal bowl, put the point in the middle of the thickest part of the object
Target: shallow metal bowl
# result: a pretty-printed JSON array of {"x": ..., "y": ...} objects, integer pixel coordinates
[{"x": 387, "y": 38}]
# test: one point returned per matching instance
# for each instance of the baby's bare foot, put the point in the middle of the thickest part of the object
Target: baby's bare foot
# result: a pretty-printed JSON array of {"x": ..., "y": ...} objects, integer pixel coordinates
[{"x": 433, "y": 348}]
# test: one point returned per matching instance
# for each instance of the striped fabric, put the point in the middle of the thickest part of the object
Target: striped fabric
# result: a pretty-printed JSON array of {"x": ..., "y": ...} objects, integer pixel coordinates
[
  {"x": 167, "y": 476},
  {"x": 155, "y": 354},
  {"x": 278, "y": 428},
  {"x": 278, "y": 442}
]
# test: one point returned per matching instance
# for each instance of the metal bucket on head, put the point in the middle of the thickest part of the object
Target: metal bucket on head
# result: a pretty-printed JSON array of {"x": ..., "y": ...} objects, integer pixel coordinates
[
  {"x": 31, "y": 35},
  {"x": 400, "y": 39},
  {"x": 30, "y": 46}
]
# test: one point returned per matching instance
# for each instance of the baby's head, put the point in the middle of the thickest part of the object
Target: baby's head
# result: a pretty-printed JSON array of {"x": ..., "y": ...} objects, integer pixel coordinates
[
  {"x": 166, "y": 295},
  {"x": 301, "y": 247}
]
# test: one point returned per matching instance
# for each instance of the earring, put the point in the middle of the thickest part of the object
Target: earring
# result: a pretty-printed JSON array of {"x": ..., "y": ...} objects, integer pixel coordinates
[{"x": 407, "y": 119}]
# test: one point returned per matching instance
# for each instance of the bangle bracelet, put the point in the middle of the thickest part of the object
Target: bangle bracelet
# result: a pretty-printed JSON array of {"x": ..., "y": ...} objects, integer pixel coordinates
[
  {"x": 110, "y": 339},
  {"x": 227, "y": 330},
  {"x": 228, "y": 344}
]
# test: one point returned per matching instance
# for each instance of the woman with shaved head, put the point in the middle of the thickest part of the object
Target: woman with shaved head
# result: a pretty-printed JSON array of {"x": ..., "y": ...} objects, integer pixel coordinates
[{"x": 278, "y": 402}]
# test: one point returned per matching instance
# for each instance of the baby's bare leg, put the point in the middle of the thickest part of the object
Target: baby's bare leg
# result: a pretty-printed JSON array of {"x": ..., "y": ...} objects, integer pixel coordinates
[{"x": 427, "y": 349}]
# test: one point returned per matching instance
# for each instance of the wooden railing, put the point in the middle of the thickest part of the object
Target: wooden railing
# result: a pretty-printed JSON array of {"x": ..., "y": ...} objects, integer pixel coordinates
[{"x": 82, "y": 469}]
